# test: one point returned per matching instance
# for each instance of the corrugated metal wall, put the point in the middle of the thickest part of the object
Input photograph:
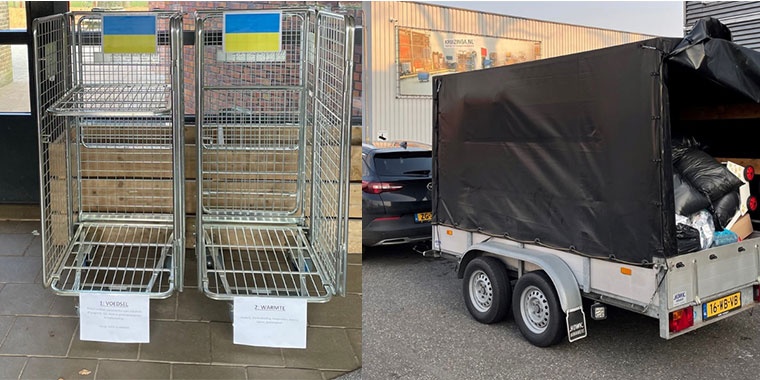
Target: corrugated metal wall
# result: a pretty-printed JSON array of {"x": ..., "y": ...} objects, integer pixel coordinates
[
  {"x": 742, "y": 17},
  {"x": 407, "y": 118}
]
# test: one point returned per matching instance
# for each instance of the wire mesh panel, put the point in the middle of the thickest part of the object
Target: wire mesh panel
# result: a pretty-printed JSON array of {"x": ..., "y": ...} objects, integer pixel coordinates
[
  {"x": 256, "y": 129},
  {"x": 111, "y": 146}
]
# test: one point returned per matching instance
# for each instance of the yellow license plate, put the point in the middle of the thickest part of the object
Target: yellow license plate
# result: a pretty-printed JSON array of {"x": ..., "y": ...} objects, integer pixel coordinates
[
  {"x": 423, "y": 217},
  {"x": 721, "y": 305}
]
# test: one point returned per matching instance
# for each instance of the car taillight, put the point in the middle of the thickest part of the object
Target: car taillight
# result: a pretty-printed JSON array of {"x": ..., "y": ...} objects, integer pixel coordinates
[
  {"x": 379, "y": 187},
  {"x": 756, "y": 293},
  {"x": 681, "y": 319},
  {"x": 752, "y": 203},
  {"x": 749, "y": 173}
]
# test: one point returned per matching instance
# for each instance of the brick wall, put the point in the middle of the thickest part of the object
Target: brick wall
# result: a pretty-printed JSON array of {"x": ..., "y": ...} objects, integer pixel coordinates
[
  {"x": 247, "y": 74},
  {"x": 6, "y": 64}
]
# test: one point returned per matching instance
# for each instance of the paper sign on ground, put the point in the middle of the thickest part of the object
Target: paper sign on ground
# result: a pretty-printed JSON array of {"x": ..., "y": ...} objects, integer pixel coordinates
[
  {"x": 269, "y": 322},
  {"x": 116, "y": 318}
]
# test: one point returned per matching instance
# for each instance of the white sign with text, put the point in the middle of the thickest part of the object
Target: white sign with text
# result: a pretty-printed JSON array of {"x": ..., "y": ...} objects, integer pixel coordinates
[
  {"x": 269, "y": 322},
  {"x": 115, "y": 318}
]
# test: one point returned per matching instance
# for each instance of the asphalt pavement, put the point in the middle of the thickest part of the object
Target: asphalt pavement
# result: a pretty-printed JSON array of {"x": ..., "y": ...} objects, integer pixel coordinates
[{"x": 416, "y": 326}]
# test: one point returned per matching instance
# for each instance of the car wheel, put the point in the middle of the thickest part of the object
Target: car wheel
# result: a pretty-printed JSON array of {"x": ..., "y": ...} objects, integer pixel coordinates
[
  {"x": 537, "y": 311},
  {"x": 486, "y": 289}
]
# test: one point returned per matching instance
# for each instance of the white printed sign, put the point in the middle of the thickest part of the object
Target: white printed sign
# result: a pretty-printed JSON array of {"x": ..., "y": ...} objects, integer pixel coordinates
[
  {"x": 269, "y": 322},
  {"x": 116, "y": 318}
]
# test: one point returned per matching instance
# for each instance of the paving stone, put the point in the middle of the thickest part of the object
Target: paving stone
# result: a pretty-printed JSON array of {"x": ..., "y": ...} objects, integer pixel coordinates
[
  {"x": 113, "y": 370},
  {"x": 339, "y": 312},
  {"x": 191, "y": 272},
  {"x": 354, "y": 279},
  {"x": 355, "y": 337},
  {"x": 224, "y": 351},
  {"x": 59, "y": 368},
  {"x": 205, "y": 372},
  {"x": 19, "y": 299},
  {"x": 164, "y": 309},
  {"x": 329, "y": 375},
  {"x": 283, "y": 373},
  {"x": 11, "y": 366},
  {"x": 195, "y": 306},
  {"x": 14, "y": 227},
  {"x": 5, "y": 325},
  {"x": 14, "y": 244},
  {"x": 19, "y": 269},
  {"x": 39, "y": 336},
  {"x": 102, "y": 350},
  {"x": 178, "y": 342},
  {"x": 326, "y": 348},
  {"x": 35, "y": 248},
  {"x": 64, "y": 306}
]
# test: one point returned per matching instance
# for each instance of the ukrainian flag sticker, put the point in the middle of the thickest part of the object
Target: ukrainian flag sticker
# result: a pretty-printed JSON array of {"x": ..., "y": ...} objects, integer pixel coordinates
[
  {"x": 129, "y": 34},
  {"x": 252, "y": 32}
]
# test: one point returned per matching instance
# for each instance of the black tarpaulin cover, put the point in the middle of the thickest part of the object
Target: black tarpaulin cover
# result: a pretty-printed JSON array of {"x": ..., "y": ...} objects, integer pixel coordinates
[{"x": 567, "y": 151}]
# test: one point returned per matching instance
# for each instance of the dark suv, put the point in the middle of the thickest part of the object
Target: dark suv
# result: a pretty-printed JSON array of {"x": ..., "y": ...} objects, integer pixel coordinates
[{"x": 396, "y": 183}]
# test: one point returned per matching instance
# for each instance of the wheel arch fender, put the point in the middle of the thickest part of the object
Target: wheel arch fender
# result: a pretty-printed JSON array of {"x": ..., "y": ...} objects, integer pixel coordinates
[{"x": 559, "y": 272}]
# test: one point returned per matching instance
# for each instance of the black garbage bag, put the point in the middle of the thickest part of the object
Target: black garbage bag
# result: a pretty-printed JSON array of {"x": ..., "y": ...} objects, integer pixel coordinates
[
  {"x": 706, "y": 174},
  {"x": 726, "y": 207},
  {"x": 688, "y": 199},
  {"x": 687, "y": 239}
]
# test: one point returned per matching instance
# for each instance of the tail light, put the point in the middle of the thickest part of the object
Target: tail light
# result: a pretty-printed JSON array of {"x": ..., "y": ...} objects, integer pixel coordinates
[
  {"x": 681, "y": 319},
  {"x": 380, "y": 187},
  {"x": 756, "y": 293},
  {"x": 752, "y": 203},
  {"x": 749, "y": 173}
]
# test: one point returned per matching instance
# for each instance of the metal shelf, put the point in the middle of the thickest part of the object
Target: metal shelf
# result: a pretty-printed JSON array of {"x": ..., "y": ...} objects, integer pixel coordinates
[{"x": 115, "y": 101}]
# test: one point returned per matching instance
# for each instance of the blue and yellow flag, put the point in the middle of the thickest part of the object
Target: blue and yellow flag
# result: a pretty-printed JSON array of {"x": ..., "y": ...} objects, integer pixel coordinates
[
  {"x": 129, "y": 34},
  {"x": 252, "y": 32}
]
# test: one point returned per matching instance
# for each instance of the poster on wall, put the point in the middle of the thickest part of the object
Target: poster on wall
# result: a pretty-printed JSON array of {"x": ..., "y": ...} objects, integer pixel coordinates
[{"x": 423, "y": 54}]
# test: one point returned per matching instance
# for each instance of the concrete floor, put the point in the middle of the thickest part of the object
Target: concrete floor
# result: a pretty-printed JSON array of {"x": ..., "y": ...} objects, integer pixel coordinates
[{"x": 191, "y": 335}]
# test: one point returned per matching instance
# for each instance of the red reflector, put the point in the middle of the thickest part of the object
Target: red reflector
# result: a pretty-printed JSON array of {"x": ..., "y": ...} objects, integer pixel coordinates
[
  {"x": 756, "y": 293},
  {"x": 681, "y": 319},
  {"x": 752, "y": 203},
  {"x": 749, "y": 173},
  {"x": 380, "y": 187},
  {"x": 387, "y": 218}
]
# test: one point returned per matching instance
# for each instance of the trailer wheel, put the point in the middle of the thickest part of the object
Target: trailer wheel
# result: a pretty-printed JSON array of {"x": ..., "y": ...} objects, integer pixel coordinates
[
  {"x": 537, "y": 311},
  {"x": 486, "y": 289}
]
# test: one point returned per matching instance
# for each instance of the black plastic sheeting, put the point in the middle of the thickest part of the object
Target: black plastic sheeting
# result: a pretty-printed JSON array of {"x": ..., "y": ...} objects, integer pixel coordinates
[{"x": 570, "y": 152}]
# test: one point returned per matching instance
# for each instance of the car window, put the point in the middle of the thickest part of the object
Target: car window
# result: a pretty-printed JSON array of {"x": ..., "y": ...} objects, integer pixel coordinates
[
  {"x": 365, "y": 167},
  {"x": 403, "y": 163}
]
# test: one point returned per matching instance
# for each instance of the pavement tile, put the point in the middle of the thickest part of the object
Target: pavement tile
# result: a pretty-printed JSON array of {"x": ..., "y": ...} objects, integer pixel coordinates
[
  {"x": 113, "y": 370},
  {"x": 59, "y": 368},
  {"x": 11, "y": 366},
  {"x": 102, "y": 350},
  {"x": 14, "y": 227},
  {"x": 35, "y": 248},
  {"x": 39, "y": 336},
  {"x": 195, "y": 306},
  {"x": 355, "y": 337},
  {"x": 191, "y": 272},
  {"x": 19, "y": 269},
  {"x": 164, "y": 309},
  {"x": 283, "y": 373},
  {"x": 19, "y": 299},
  {"x": 224, "y": 351},
  {"x": 64, "y": 306},
  {"x": 329, "y": 375},
  {"x": 205, "y": 372},
  {"x": 14, "y": 244},
  {"x": 354, "y": 279},
  {"x": 178, "y": 342},
  {"x": 339, "y": 312},
  {"x": 326, "y": 348}
]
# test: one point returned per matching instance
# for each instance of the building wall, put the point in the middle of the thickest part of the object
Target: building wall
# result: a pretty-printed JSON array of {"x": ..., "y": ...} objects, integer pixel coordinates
[
  {"x": 410, "y": 118},
  {"x": 742, "y": 17}
]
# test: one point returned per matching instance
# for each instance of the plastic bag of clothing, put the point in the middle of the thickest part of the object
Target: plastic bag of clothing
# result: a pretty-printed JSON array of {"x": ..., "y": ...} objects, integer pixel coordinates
[
  {"x": 706, "y": 174},
  {"x": 702, "y": 221},
  {"x": 726, "y": 207},
  {"x": 725, "y": 237},
  {"x": 687, "y": 199},
  {"x": 687, "y": 238}
]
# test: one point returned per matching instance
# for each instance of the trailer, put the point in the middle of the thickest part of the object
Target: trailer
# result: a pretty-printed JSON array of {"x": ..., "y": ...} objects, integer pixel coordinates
[{"x": 553, "y": 184}]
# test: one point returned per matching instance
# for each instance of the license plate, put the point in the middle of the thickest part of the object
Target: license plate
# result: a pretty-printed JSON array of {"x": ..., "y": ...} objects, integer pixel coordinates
[
  {"x": 423, "y": 217},
  {"x": 721, "y": 305}
]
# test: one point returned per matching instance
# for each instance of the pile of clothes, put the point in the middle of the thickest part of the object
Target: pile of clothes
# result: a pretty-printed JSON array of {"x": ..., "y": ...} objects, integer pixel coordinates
[{"x": 706, "y": 198}]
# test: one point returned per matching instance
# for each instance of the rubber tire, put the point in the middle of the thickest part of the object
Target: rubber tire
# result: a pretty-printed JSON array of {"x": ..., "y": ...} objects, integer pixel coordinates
[
  {"x": 555, "y": 330},
  {"x": 502, "y": 292}
]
